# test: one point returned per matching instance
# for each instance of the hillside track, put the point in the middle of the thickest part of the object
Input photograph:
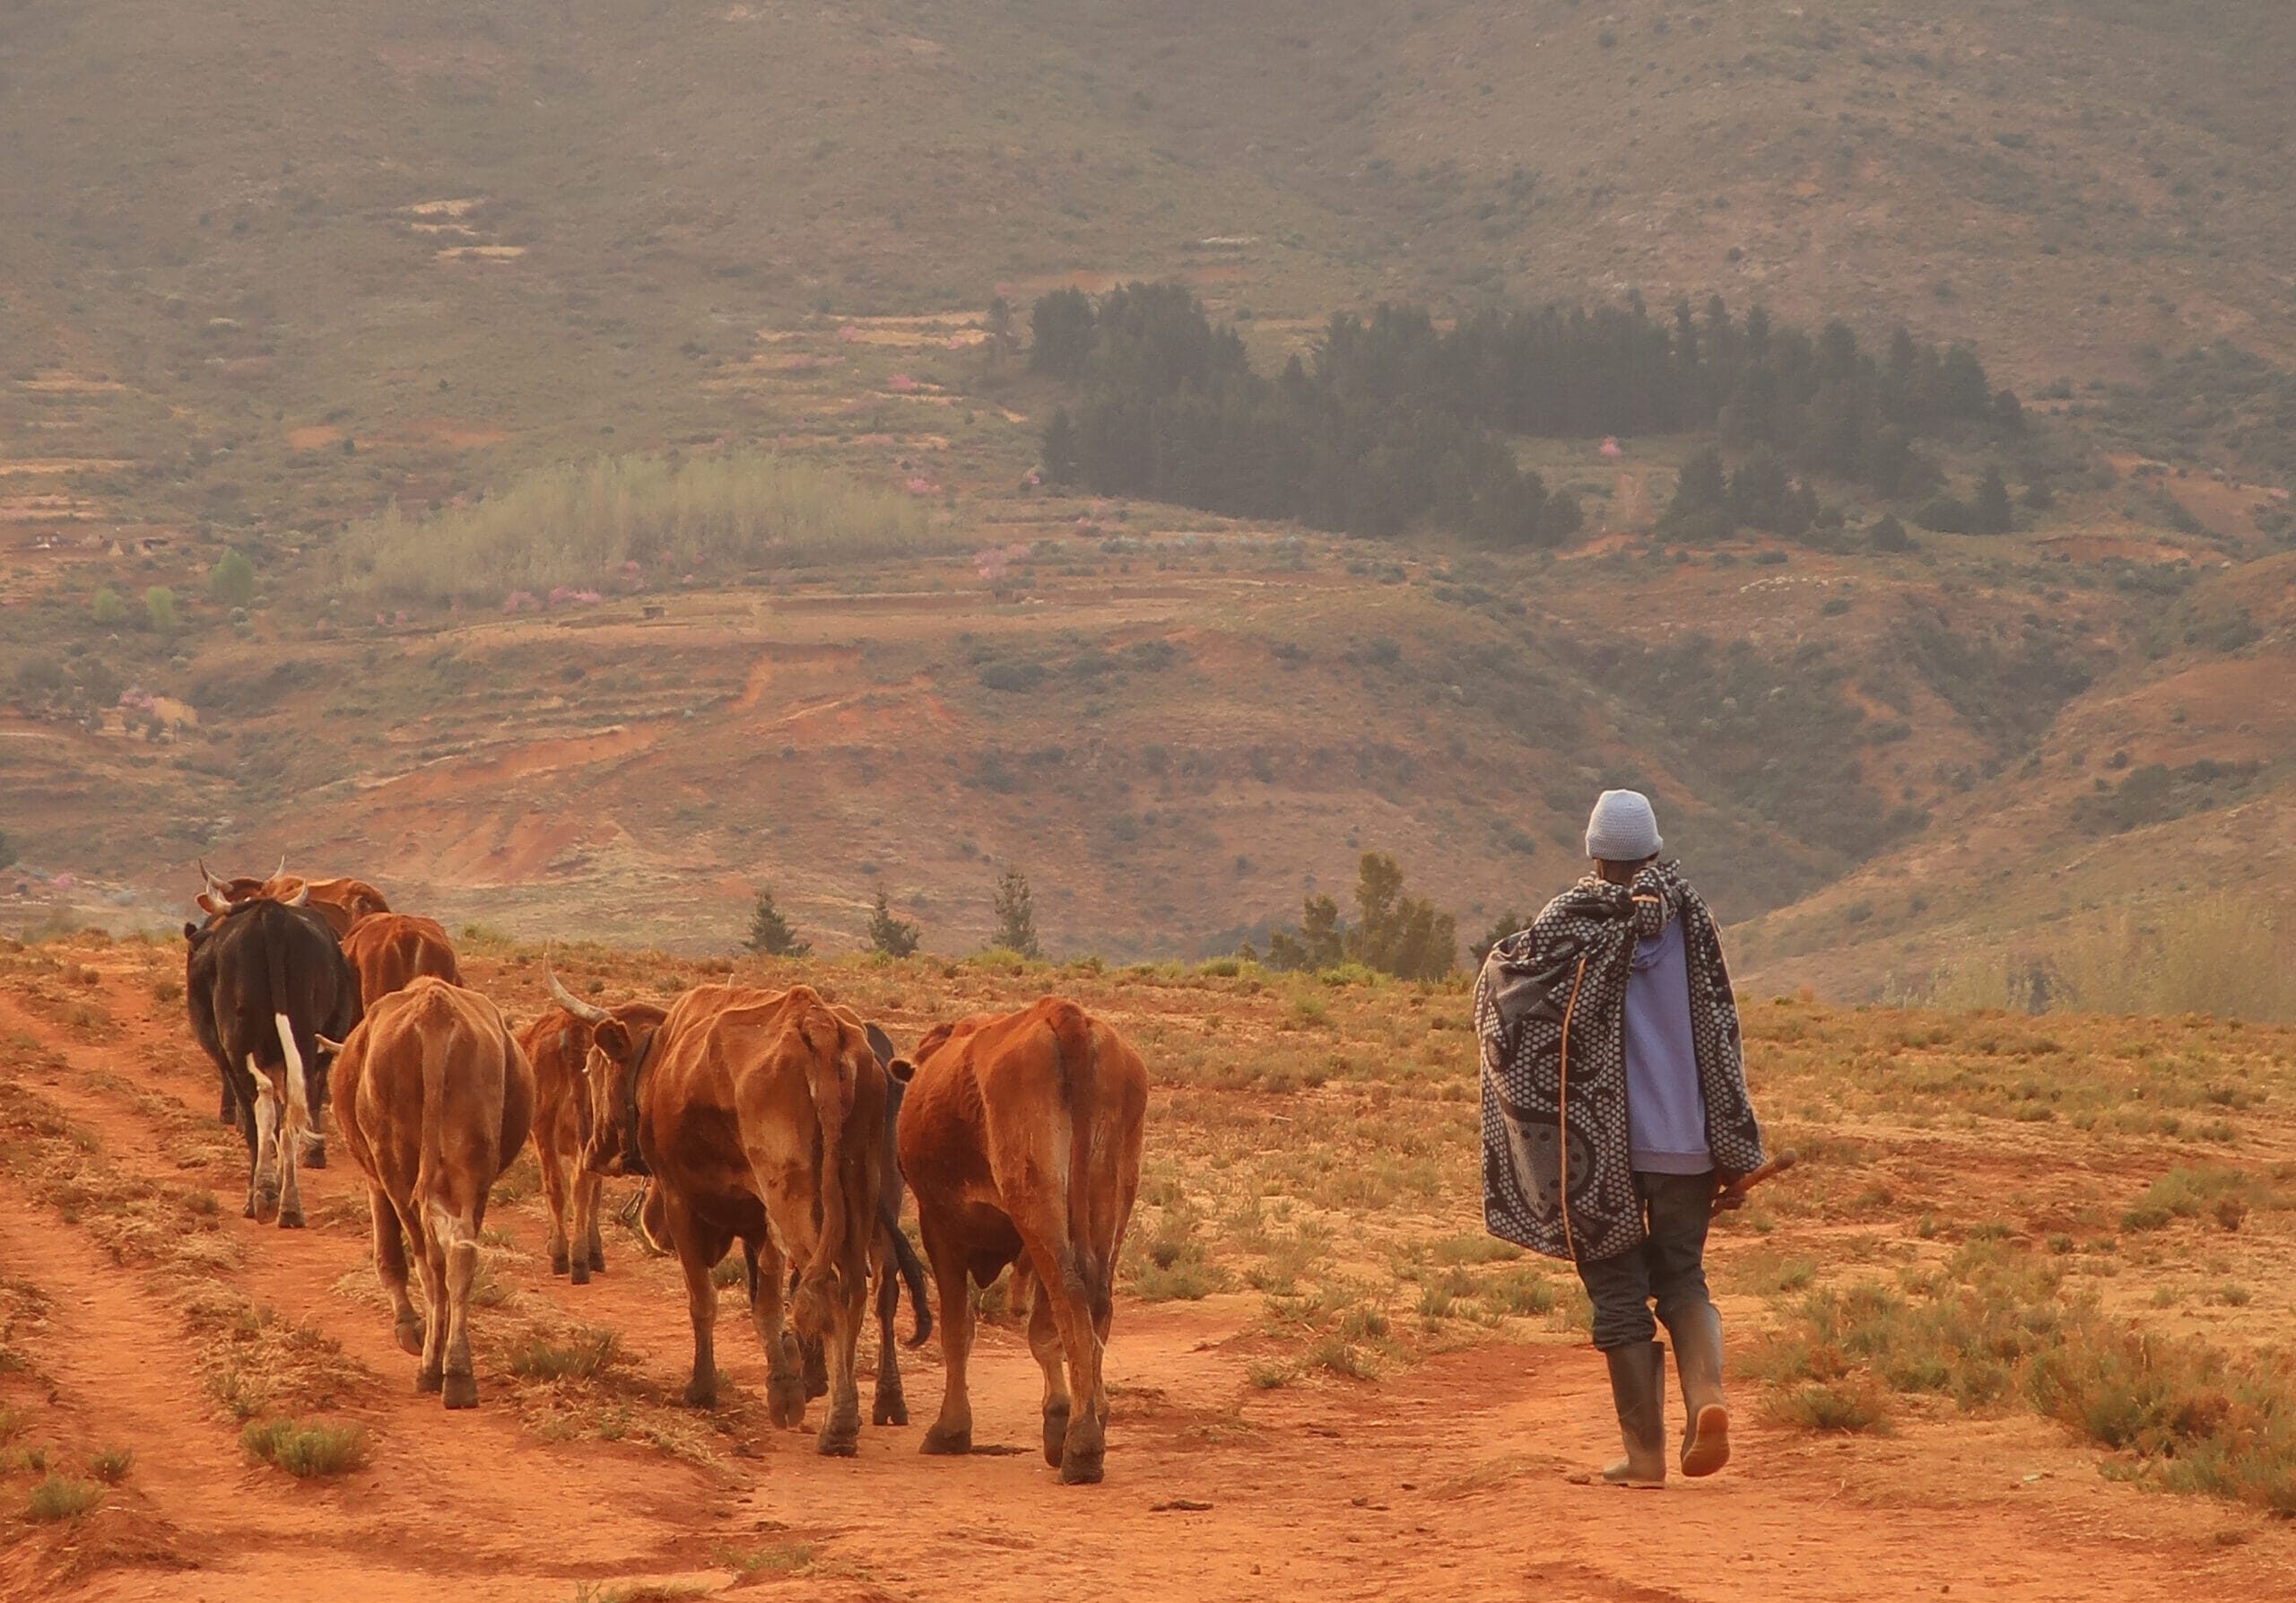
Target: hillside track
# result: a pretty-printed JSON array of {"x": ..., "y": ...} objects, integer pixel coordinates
[{"x": 1449, "y": 1479}]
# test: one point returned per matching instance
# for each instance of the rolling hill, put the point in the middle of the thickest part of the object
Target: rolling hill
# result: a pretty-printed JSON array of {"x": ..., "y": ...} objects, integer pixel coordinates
[{"x": 266, "y": 270}]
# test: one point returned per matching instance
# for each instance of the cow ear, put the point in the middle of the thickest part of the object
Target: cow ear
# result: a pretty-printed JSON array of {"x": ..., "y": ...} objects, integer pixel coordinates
[
  {"x": 902, "y": 1070},
  {"x": 611, "y": 1037},
  {"x": 208, "y": 904},
  {"x": 191, "y": 930}
]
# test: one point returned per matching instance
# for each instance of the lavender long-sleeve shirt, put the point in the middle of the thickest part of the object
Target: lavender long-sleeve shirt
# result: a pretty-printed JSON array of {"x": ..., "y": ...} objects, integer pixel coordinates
[{"x": 1666, "y": 1113}]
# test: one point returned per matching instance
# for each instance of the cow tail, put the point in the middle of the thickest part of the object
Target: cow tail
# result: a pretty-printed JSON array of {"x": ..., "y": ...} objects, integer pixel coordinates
[
  {"x": 912, "y": 1275},
  {"x": 291, "y": 1056},
  {"x": 1072, "y": 1033},
  {"x": 435, "y": 1029},
  {"x": 832, "y": 1089}
]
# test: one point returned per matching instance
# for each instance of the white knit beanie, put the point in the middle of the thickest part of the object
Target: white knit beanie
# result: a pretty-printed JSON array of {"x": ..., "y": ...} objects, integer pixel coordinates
[{"x": 1623, "y": 829}]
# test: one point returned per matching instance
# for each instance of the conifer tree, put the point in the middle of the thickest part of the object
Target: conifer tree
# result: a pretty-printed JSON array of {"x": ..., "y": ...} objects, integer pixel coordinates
[
  {"x": 895, "y": 937},
  {"x": 770, "y": 934},
  {"x": 1016, "y": 919}
]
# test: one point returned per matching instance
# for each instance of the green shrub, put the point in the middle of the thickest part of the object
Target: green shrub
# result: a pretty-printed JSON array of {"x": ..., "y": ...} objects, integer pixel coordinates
[
  {"x": 232, "y": 580},
  {"x": 159, "y": 609},
  {"x": 107, "y": 609},
  {"x": 112, "y": 1464},
  {"x": 583, "y": 1357},
  {"x": 305, "y": 1449},
  {"x": 61, "y": 1497}
]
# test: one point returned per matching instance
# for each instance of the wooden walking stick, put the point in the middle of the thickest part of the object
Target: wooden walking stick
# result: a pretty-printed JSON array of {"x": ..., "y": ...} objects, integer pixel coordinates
[{"x": 1734, "y": 1195}]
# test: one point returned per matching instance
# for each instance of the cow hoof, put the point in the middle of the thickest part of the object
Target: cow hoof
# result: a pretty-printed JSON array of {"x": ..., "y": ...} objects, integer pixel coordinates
[
  {"x": 944, "y": 1443},
  {"x": 890, "y": 1411},
  {"x": 579, "y": 1274},
  {"x": 314, "y": 1154},
  {"x": 597, "y": 1261},
  {"x": 461, "y": 1392},
  {"x": 1081, "y": 1454},
  {"x": 1055, "y": 1435},
  {"x": 816, "y": 1369},
  {"x": 254, "y": 1210},
  {"x": 841, "y": 1438},
  {"x": 785, "y": 1400},
  {"x": 409, "y": 1331},
  {"x": 558, "y": 1263},
  {"x": 428, "y": 1380},
  {"x": 291, "y": 1219}
]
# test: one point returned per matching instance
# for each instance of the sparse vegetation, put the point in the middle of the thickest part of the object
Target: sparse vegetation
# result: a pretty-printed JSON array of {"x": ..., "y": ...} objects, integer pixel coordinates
[
  {"x": 772, "y": 935},
  {"x": 618, "y": 523},
  {"x": 61, "y": 1497},
  {"x": 305, "y": 1449}
]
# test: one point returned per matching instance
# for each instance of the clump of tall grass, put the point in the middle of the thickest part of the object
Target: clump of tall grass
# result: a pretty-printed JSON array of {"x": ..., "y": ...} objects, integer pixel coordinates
[
  {"x": 305, "y": 1449},
  {"x": 1994, "y": 1329},
  {"x": 2227, "y": 955},
  {"x": 578, "y": 525}
]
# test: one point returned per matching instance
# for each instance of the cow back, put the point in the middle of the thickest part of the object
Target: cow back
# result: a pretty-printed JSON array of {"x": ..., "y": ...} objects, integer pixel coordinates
[
  {"x": 389, "y": 951},
  {"x": 435, "y": 1094}
]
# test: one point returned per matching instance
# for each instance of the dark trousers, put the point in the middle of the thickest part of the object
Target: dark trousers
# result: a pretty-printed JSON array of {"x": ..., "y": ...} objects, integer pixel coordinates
[{"x": 1668, "y": 1268}]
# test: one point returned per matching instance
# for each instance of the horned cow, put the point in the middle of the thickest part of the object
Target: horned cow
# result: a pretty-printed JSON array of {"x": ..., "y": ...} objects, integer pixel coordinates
[
  {"x": 264, "y": 983},
  {"x": 1021, "y": 1138},
  {"x": 436, "y": 1095},
  {"x": 759, "y": 1117},
  {"x": 558, "y": 1045}
]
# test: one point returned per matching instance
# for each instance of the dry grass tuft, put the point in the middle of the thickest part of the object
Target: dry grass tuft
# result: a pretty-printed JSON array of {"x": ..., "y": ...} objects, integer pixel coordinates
[{"x": 305, "y": 1449}]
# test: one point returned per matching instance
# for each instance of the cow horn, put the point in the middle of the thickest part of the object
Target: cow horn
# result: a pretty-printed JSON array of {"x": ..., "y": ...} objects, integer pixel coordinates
[
  {"x": 572, "y": 1003},
  {"x": 301, "y": 895},
  {"x": 326, "y": 1046},
  {"x": 280, "y": 872},
  {"x": 215, "y": 887}
]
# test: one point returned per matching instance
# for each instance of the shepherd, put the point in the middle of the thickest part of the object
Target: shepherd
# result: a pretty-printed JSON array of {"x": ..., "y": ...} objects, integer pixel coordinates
[{"x": 1614, "y": 1113}]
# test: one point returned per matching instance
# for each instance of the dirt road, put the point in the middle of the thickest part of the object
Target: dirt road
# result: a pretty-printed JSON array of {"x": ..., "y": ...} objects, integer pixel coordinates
[{"x": 1448, "y": 1480}]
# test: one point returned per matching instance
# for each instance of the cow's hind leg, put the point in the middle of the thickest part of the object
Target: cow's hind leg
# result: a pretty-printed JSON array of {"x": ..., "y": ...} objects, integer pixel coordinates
[
  {"x": 430, "y": 1263},
  {"x": 785, "y": 1391},
  {"x": 952, "y": 1432},
  {"x": 888, "y": 1405},
  {"x": 840, "y": 1436},
  {"x": 263, "y": 1176},
  {"x": 585, "y": 1240},
  {"x": 390, "y": 1268},
  {"x": 700, "y": 1246},
  {"x": 555, "y": 1190},
  {"x": 457, "y": 1241},
  {"x": 1061, "y": 1285},
  {"x": 1044, "y": 1342}
]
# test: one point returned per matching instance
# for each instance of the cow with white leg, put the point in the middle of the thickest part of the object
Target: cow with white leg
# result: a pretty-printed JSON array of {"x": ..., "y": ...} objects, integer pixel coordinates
[{"x": 262, "y": 983}]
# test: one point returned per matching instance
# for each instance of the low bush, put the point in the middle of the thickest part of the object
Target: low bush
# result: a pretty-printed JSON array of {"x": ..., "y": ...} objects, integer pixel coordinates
[
  {"x": 307, "y": 1449},
  {"x": 61, "y": 1497}
]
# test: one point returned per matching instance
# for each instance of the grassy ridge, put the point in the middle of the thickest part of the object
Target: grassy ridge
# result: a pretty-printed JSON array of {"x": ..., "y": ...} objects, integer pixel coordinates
[{"x": 583, "y": 525}]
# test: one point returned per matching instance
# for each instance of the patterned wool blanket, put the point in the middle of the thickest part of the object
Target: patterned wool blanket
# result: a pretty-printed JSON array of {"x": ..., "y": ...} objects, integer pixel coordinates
[{"x": 1550, "y": 1012}]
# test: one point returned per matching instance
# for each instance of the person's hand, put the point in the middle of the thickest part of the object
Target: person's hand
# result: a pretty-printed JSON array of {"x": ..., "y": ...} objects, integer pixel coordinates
[{"x": 1726, "y": 1198}]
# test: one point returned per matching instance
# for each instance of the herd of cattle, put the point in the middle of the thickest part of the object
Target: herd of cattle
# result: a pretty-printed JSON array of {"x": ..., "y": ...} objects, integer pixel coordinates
[{"x": 776, "y": 1120}]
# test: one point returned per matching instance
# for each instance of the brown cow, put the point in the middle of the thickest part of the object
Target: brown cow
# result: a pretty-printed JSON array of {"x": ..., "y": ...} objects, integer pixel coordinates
[
  {"x": 390, "y": 951},
  {"x": 341, "y": 903},
  {"x": 433, "y": 1095},
  {"x": 558, "y": 1045},
  {"x": 760, "y": 1116},
  {"x": 1021, "y": 1138}
]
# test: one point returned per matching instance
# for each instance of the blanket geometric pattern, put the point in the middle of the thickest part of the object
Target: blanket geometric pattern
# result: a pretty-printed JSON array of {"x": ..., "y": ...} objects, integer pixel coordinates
[{"x": 1550, "y": 1016}]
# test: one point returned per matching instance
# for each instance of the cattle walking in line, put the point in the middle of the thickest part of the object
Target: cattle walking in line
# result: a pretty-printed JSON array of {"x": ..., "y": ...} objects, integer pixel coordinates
[
  {"x": 436, "y": 1095},
  {"x": 760, "y": 1116},
  {"x": 341, "y": 903},
  {"x": 390, "y": 951},
  {"x": 1021, "y": 1138},
  {"x": 558, "y": 1045},
  {"x": 264, "y": 982}
]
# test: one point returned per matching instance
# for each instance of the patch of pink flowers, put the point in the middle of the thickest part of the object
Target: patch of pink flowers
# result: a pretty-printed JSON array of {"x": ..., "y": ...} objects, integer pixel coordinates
[
  {"x": 923, "y": 486},
  {"x": 1610, "y": 448},
  {"x": 901, "y": 383},
  {"x": 520, "y": 601}
]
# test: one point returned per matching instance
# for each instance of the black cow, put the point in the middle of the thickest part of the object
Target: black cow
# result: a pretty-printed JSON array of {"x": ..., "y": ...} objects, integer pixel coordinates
[{"x": 264, "y": 982}]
